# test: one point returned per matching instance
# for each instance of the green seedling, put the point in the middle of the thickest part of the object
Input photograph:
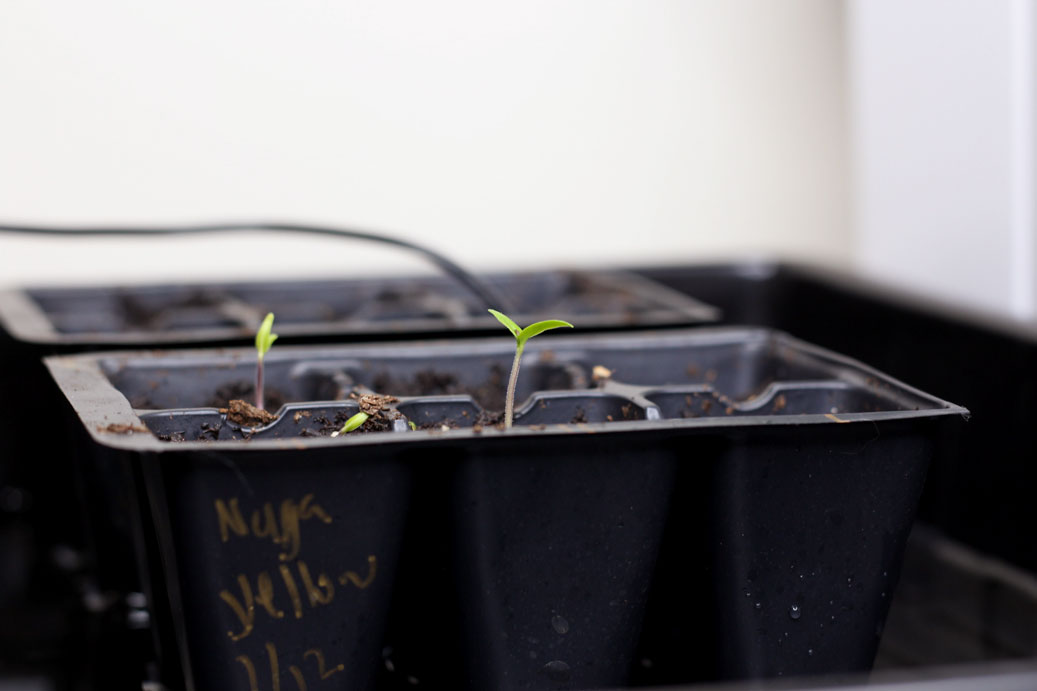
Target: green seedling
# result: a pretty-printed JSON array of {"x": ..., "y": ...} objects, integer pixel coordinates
[
  {"x": 521, "y": 336},
  {"x": 264, "y": 339},
  {"x": 352, "y": 423}
]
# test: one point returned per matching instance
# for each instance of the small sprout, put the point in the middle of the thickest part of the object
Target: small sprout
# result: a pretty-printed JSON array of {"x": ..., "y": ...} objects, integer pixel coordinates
[
  {"x": 413, "y": 427},
  {"x": 521, "y": 336},
  {"x": 264, "y": 339},
  {"x": 352, "y": 423}
]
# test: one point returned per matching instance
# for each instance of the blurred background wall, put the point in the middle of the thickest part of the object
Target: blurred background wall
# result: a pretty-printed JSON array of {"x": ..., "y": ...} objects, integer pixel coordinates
[
  {"x": 506, "y": 134},
  {"x": 942, "y": 117},
  {"x": 890, "y": 137}
]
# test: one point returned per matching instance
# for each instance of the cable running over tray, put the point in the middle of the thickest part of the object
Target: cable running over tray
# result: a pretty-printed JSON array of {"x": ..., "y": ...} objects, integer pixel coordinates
[{"x": 485, "y": 292}]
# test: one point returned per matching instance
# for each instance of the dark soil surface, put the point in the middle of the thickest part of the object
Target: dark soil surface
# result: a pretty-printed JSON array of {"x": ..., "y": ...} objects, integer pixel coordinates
[
  {"x": 221, "y": 397},
  {"x": 584, "y": 295},
  {"x": 721, "y": 405},
  {"x": 245, "y": 391},
  {"x": 489, "y": 394},
  {"x": 375, "y": 405},
  {"x": 483, "y": 420},
  {"x": 202, "y": 308}
]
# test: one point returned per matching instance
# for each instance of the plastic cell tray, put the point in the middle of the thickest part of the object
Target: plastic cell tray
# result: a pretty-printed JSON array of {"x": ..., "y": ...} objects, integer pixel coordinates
[
  {"x": 325, "y": 309},
  {"x": 730, "y": 503}
]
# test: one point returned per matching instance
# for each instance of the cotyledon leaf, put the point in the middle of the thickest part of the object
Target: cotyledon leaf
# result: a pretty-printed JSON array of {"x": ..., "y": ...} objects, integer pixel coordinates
[
  {"x": 508, "y": 322},
  {"x": 265, "y": 339},
  {"x": 539, "y": 328}
]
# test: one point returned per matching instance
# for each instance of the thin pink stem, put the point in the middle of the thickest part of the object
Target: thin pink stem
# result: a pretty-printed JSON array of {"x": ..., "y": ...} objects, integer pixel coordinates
[
  {"x": 509, "y": 398},
  {"x": 259, "y": 383}
]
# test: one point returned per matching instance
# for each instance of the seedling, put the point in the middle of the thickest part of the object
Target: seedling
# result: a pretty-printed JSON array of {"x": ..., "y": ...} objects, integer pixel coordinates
[
  {"x": 352, "y": 423},
  {"x": 521, "y": 336},
  {"x": 264, "y": 339}
]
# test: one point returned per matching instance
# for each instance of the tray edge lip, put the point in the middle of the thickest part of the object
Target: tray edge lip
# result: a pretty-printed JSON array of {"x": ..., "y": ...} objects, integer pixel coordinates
[{"x": 81, "y": 380}]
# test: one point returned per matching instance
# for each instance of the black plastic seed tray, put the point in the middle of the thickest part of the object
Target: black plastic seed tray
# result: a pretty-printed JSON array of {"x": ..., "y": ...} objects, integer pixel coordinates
[
  {"x": 35, "y": 322},
  {"x": 981, "y": 493},
  {"x": 730, "y": 503},
  {"x": 214, "y": 313},
  {"x": 978, "y": 495}
]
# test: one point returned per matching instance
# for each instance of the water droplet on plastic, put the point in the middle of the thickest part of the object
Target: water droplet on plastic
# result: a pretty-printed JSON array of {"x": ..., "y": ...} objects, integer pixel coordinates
[
  {"x": 810, "y": 651},
  {"x": 556, "y": 670},
  {"x": 67, "y": 558},
  {"x": 794, "y": 612},
  {"x": 559, "y": 624},
  {"x": 758, "y": 605},
  {"x": 138, "y": 619},
  {"x": 748, "y": 594}
]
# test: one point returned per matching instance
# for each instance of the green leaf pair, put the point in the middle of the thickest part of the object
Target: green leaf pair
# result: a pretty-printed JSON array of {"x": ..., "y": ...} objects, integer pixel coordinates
[
  {"x": 265, "y": 339},
  {"x": 522, "y": 335}
]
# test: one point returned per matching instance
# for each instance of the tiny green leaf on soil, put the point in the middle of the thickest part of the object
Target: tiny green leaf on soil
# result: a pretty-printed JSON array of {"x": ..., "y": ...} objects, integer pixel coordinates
[{"x": 353, "y": 423}]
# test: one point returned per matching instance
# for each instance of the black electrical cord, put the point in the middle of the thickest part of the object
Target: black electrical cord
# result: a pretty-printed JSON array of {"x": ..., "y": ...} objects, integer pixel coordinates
[{"x": 485, "y": 292}]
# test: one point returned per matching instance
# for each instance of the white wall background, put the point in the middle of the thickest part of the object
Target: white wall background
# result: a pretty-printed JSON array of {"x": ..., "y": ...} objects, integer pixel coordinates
[
  {"x": 506, "y": 134},
  {"x": 943, "y": 155}
]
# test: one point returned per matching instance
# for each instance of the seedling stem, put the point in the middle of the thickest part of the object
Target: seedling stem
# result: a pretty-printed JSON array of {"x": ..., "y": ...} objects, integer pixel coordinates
[
  {"x": 264, "y": 339},
  {"x": 521, "y": 336}
]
